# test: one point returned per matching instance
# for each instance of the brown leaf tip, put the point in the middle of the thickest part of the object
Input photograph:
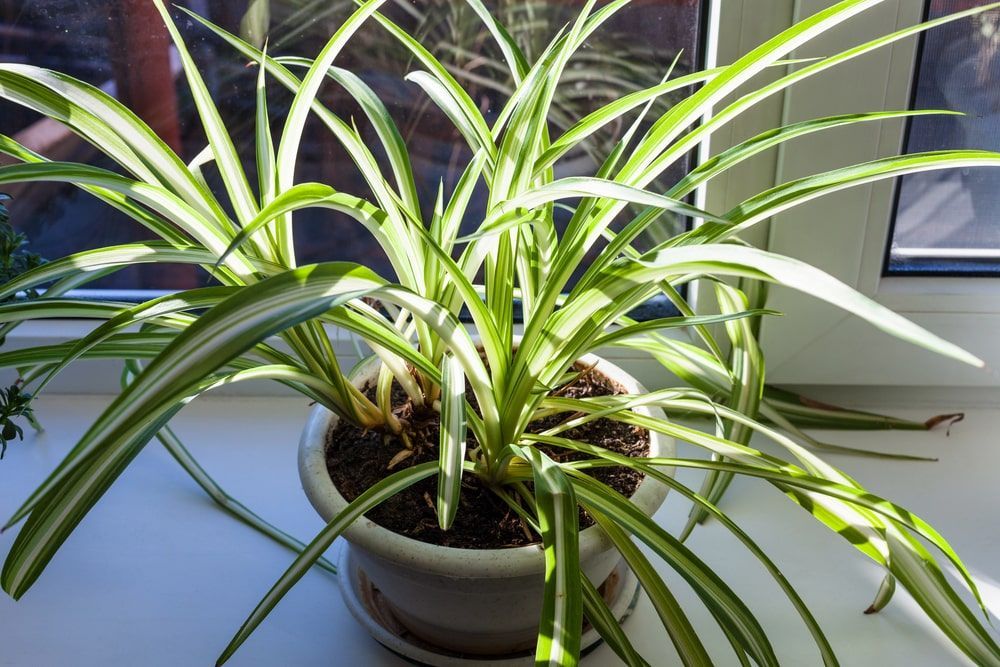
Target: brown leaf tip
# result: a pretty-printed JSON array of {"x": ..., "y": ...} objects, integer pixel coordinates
[{"x": 948, "y": 419}]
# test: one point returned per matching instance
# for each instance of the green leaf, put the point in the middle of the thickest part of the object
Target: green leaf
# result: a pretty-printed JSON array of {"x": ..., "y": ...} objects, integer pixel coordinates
[
  {"x": 680, "y": 630},
  {"x": 608, "y": 113},
  {"x": 600, "y": 617},
  {"x": 727, "y": 608},
  {"x": 562, "y": 603},
  {"x": 226, "y": 502},
  {"x": 154, "y": 309},
  {"x": 794, "y": 193},
  {"x": 156, "y": 197},
  {"x": 267, "y": 180},
  {"x": 761, "y": 265},
  {"x": 55, "y": 514},
  {"x": 817, "y": 66},
  {"x": 307, "y": 195},
  {"x": 226, "y": 157},
  {"x": 916, "y": 570},
  {"x": 452, "y": 443},
  {"x": 230, "y": 168},
  {"x": 110, "y": 127},
  {"x": 305, "y": 95},
  {"x": 689, "y": 110},
  {"x": 465, "y": 119},
  {"x": 120, "y": 346},
  {"x": 662, "y": 323},
  {"x": 703, "y": 131},
  {"x": 669, "y": 614},
  {"x": 455, "y": 97},
  {"x": 499, "y": 219},
  {"x": 512, "y": 53},
  {"x": 790, "y": 478},
  {"x": 91, "y": 264},
  {"x": 747, "y": 363},
  {"x": 385, "y": 127},
  {"x": 408, "y": 266},
  {"x": 743, "y": 151},
  {"x": 370, "y": 498},
  {"x": 120, "y": 202}
]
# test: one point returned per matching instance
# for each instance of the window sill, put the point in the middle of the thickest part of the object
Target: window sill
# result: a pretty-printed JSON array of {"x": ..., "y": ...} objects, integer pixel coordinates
[{"x": 155, "y": 561}]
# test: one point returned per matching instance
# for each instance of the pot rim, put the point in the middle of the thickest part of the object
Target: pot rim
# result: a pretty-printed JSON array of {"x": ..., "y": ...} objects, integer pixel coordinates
[{"x": 453, "y": 561}]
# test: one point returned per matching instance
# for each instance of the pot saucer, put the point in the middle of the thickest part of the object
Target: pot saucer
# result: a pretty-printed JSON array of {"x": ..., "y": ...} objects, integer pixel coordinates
[{"x": 367, "y": 604}]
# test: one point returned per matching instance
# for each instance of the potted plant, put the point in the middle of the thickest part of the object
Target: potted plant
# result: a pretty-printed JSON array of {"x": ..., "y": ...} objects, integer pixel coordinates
[{"x": 471, "y": 408}]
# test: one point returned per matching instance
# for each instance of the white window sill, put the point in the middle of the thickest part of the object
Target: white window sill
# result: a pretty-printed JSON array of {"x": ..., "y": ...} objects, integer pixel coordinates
[{"x": 156, "y": 575}]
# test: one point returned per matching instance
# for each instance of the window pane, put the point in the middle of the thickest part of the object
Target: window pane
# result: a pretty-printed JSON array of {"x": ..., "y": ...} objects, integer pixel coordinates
[
  {"x": 947, "y": 221},
  {"x": 121, "y": 46}
]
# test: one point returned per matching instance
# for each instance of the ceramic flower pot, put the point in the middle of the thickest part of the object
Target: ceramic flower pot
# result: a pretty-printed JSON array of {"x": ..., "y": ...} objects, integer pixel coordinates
[{"x": 468, "y": 601}]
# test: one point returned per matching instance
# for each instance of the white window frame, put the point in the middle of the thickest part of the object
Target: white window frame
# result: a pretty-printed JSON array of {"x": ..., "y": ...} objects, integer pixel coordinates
[{"x": 846, "y": 233}]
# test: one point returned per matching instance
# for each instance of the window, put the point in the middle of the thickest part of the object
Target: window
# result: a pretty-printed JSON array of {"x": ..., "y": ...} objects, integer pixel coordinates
[
  {"x": 945, "y": 222},
  {"x": 847, "y": 234},
  {"x": 128, "y": 54}
]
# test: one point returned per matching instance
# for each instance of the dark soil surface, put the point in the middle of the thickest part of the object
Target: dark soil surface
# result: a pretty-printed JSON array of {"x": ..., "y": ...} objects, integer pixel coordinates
[{"x": 356, "y": 459}]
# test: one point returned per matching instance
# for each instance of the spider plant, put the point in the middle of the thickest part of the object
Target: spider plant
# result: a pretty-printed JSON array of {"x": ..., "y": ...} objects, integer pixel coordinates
[{"x": 190, "y": 342}]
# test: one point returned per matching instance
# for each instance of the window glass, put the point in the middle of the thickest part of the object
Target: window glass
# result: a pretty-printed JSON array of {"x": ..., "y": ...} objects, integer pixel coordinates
[
  {"x": 947, "y": 221},
  {"x": 121, "y": 46}
]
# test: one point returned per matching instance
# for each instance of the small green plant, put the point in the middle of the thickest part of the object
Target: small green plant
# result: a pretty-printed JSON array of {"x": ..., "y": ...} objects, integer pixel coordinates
[
  {"x": 193, "y": 341},
  {"x": 14, "y": 259},
  {"x": 14, "y": 403}
]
